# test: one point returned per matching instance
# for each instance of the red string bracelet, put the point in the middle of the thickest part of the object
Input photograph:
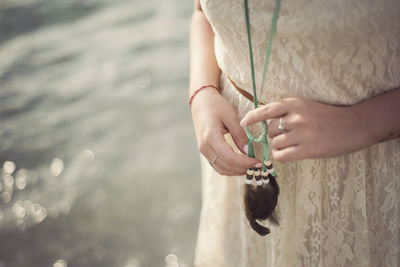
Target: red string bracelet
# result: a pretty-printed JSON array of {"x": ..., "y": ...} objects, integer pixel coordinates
[{"x": 198, "y": 90}]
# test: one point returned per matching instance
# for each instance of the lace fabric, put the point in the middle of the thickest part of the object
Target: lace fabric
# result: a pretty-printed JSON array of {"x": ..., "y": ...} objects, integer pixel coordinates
[{"x": 341, "y": 211}]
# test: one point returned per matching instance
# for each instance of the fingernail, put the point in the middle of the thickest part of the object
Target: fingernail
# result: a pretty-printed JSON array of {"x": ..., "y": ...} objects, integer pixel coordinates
[
  {"x": 246, "y": 149},
  {"x": 258, "y": 165},
  {"x": 243, "y": 122}
]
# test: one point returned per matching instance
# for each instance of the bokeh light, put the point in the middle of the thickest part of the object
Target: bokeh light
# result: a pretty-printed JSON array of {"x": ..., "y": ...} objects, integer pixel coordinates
[
  {"x": 8, "y": 167},
  {"x": 56, "y": 167},
  {"x": 60, "y": 263}
]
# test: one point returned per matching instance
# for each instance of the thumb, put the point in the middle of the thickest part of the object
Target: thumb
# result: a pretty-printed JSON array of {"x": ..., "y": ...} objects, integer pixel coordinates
[{"x": 238, "y": 135}]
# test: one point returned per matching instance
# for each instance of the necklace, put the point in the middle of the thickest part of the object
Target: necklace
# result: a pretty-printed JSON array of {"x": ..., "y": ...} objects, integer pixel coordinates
[
  {"x": 260, "y": 201},
  {"x": 263, "y": 137}
]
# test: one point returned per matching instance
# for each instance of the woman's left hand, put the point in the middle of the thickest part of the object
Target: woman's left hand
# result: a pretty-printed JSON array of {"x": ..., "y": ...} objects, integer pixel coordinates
[{"x": 312, "y": 129}]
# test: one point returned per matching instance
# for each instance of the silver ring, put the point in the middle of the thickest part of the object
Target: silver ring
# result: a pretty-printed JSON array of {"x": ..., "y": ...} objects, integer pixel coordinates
[
  {"x": 281, "y": 128},
  {"x": 214, "y": 159}
]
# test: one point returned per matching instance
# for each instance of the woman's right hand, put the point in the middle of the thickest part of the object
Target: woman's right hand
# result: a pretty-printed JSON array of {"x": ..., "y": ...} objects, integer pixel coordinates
[{"x": 213, "y": 117}]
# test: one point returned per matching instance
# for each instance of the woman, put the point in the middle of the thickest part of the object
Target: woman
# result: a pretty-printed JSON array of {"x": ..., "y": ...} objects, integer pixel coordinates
[{"x": 333, "y": 84}]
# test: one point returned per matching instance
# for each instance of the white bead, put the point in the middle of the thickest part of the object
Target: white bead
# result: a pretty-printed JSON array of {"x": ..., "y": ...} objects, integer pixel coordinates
[
  {"x": 271, "y": 170},
  {"x": 267, "y": 163}
]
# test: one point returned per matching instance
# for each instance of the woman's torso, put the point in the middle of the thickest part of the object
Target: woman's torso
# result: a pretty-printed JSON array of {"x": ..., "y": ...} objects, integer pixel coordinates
[{"x": 335, "y": 52}]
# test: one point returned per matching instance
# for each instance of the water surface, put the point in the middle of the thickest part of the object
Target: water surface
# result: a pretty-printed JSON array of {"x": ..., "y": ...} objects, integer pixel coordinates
[{"x": 99, "y": 162}]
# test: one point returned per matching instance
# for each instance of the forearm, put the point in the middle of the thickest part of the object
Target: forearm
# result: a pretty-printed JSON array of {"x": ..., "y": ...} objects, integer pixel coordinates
[
  {"x": 379, "y": 117},
  {"x": 203, "y": 65}
]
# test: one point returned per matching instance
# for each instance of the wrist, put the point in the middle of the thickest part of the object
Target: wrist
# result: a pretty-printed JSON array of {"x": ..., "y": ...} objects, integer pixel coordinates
[
  {"x": 368, "y": 133},
  {"x": 203, "y": 90}
]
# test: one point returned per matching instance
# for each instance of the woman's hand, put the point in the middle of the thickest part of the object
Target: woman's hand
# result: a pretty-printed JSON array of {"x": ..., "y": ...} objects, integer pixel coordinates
[
  {"x": 313, "y": 130},
  {"x": 213, "y": 117}
]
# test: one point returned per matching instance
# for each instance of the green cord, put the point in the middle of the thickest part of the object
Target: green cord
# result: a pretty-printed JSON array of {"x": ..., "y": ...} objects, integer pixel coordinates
[
  {"x": 263, "y": 137},
  {"x": 271, "y": 37},
  {"x": 253, "y": 77}
]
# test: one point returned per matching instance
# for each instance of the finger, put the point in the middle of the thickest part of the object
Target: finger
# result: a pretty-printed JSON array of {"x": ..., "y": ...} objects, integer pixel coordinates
[
  {"x": 273, "y": 126},
  {"x": 285, "y": 140},
  {"x": 291, "y": 153},
  {"x": 265, "y": 112},
  {"x": 232, "y": 170},
  {"x": 238, "y": 134},
  {"x": 224, "y": 169},
  {"x": 207, "y": 151},
  {"x": 229, "y": 160},
  {"x": 234, "y": 163},
  {"x": 215, "y": 161},
  {"x": 221, "y": 170}
]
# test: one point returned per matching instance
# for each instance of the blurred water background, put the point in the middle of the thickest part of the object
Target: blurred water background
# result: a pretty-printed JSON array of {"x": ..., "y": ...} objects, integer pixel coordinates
[{"x": 97, "y": 153}]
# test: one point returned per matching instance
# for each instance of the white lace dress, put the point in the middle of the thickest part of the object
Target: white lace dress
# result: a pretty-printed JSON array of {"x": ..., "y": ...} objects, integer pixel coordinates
[{"x": 342, "y": 211}]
